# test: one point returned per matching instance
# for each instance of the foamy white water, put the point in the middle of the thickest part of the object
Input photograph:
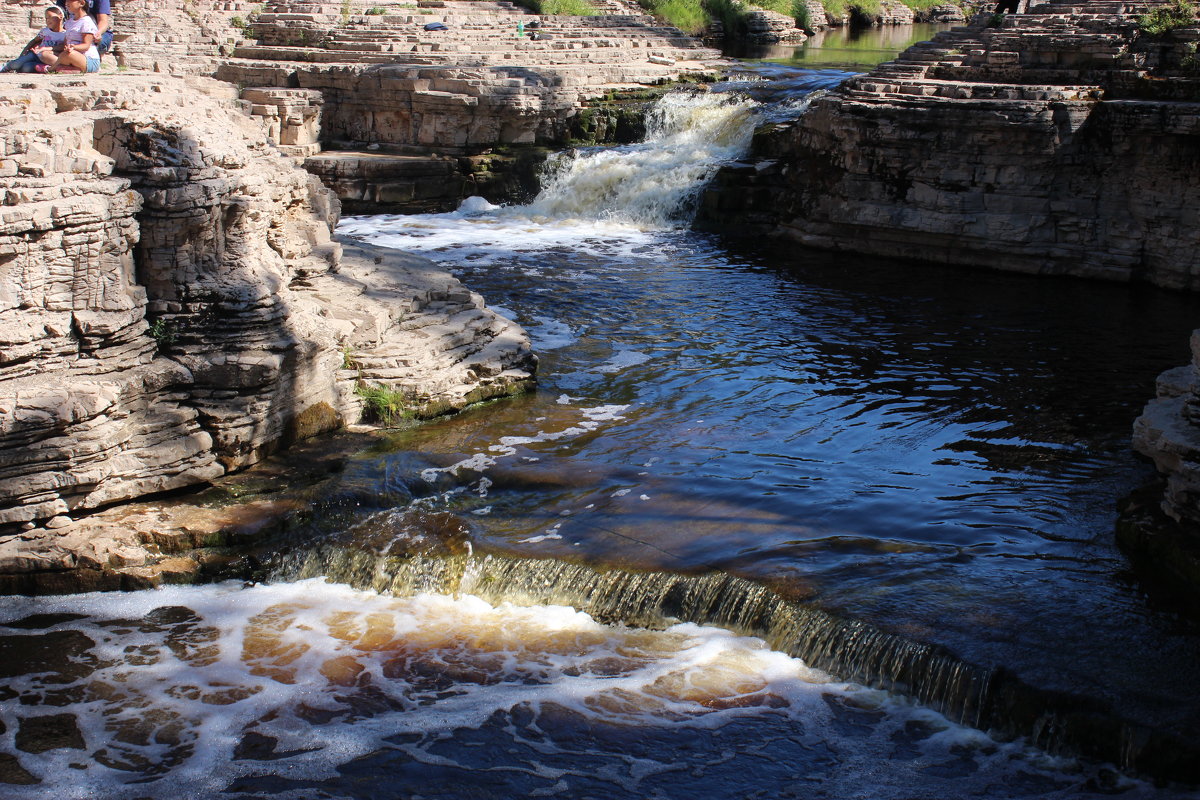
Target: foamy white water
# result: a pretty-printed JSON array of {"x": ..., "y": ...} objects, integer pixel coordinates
[{"x": 194, "y": 688}]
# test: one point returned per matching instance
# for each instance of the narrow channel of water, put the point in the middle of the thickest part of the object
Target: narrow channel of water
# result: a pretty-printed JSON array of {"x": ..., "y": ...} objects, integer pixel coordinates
[{"x": 933, "y": 452}]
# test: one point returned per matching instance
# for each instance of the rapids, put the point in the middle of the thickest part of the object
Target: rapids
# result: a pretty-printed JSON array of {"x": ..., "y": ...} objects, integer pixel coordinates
[{"x": 920, "y": 463}]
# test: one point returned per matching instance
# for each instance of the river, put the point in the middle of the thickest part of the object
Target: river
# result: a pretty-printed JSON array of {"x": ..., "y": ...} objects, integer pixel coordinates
[{"x": 932, "y": 453}]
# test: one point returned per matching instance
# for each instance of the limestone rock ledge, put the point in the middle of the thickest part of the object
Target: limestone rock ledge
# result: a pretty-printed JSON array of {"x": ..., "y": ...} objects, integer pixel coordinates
[
  {"x": 1159, "y": 526},
  {"x": 1168, "y": 432},
  {"x": 173, "y": 307},
  {"x": 1045, "y": 143}
]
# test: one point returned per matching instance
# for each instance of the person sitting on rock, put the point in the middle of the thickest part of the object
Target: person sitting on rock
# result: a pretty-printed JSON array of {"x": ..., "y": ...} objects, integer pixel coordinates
[
  {"x": 78, "y": 53},
  {"x": 47, "y": 39},
  {"x": 101, "y": 12}
]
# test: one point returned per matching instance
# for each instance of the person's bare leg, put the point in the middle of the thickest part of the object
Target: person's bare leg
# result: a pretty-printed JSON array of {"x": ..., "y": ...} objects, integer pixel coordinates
[{"x": 72, "y": 58}]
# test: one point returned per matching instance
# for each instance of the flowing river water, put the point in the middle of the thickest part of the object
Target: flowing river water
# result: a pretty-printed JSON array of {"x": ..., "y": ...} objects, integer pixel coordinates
[{"x": 901, "y": 477}]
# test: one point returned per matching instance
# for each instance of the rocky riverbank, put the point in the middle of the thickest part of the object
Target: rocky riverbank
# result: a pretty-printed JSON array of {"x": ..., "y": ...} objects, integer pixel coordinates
[
  {"x": 174, "y": 308},
  {"x": 1053, "y": 142},
  {"x": 1058, "y": 142}
]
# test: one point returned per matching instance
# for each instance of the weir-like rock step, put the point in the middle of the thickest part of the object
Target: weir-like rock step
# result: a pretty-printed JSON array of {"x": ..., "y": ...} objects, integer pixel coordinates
[{"x": 981, "y": 696}]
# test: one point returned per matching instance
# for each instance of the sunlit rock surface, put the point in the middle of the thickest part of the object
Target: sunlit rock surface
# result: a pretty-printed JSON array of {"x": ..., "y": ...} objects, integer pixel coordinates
[
  {"x": 1050, "y": 143},
  {"x": 173, "y": 306}
]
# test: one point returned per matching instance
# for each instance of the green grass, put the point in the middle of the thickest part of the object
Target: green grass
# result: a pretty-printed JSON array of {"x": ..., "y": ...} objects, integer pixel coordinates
[
  {"x": 864, "y": 8},
  {"x": 693, "y": 16},
  {"x": 922, "y": 5},
  {"x": 565, "y": 8},
  {"x": 1166, "y": 18},
  {"x": 384, "y": 405}
]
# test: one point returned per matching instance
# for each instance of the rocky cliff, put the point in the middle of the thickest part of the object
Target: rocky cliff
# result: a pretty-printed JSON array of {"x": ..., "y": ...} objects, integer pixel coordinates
[
  {"x": 173, "y": 307},
  {"x": 1050, "y": 142}
]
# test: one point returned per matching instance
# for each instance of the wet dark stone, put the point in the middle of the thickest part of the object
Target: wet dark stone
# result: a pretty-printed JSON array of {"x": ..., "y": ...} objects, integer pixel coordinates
[
  {"x": 12, "y": 772},
  {"x": 41, "y": 621},
  {"x": 255, "y": 746},
  {"x": 50, "y": 732},
  {"x": 60, "y": 656},
  {"x": 166, "y": 617}
]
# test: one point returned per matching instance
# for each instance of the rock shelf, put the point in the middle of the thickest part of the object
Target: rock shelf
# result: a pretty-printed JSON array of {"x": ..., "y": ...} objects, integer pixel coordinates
[
  {"x": 174, "y": 307},
  {"x": 1044, "y": 144}
]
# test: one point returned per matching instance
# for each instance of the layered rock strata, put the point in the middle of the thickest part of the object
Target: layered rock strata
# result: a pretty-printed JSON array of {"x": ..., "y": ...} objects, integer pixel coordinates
[
  {"x": 1160, "y": 525},
  {"x": 1046, "y": 144},
  {"x": 477, "y": 84},
  {"x": 173, "y": 306},
  {"x": 771, "y": 27}
]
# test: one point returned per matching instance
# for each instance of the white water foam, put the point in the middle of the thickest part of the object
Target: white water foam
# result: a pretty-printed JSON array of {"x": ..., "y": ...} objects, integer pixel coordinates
[
  {"x": 622, "y": 360},
  {"x": 179, "y": 678},
  {"x": 613, "y": 201},
  {"x": 550, "y": 334},
  {"x": 481, "y": 462}
]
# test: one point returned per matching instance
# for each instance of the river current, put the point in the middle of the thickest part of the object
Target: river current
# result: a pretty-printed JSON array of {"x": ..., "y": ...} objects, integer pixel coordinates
[{"x": 938, "y": 452}]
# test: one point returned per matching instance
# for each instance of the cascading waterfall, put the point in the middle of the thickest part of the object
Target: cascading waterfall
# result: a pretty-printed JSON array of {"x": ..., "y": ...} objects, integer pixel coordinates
[
  {"x": 850, "y": 649},
  {"x": 653, "y": 183}
]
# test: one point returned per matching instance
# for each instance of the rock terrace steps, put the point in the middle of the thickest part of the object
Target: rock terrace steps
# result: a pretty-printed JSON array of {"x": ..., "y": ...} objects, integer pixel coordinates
[
  {"x": 1046, "y": 144},
  {"x": 253, "y": 305},
  {"x": 323, "y": 33},
  {"x": 1086, "y": 49}
]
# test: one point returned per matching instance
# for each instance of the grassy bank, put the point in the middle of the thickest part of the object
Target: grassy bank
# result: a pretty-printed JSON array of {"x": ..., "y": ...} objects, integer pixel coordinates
[
  {"x": 566, "y": 8},
  {"x": 693, "y": 16}
]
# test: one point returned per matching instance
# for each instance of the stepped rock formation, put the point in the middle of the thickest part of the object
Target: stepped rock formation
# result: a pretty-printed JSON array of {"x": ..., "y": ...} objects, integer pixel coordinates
[
  {"x": 476, "y": 84},
  {"x": 1048, "y": 144},
  {"x": 173, "y": 306}
]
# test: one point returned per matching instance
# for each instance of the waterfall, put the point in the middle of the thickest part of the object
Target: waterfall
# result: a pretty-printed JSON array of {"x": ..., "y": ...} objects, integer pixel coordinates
[{"x": 654, "y": 183}]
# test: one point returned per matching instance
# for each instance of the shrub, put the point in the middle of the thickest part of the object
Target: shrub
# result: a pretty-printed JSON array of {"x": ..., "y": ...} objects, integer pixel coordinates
[
  {"x": 1166, "y": 18},
  {"x": 384, "y": 405},
  {"x": 163, "y": 333},
  {"x": 376, "y": 11}
]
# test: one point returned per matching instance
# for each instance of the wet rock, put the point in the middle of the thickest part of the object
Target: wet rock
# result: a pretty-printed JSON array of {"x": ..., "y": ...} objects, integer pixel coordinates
[
  {"x": 13, "y": 773},
  {"x": 53, "y": 732},
  {"x": 58, "y": 656},
  {"x": 255, "y": 746}
]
